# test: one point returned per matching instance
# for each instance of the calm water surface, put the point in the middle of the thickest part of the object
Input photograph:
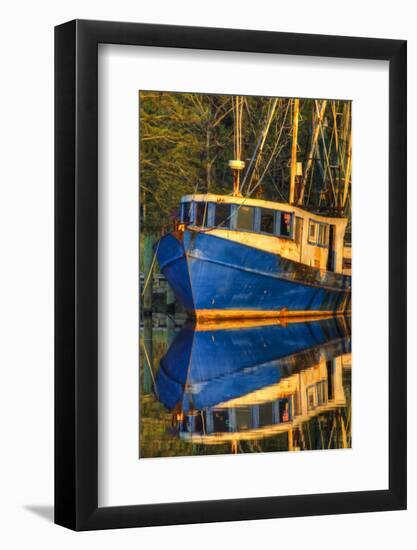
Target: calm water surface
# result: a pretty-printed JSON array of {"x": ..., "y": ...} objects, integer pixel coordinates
[{"x": 244, "y": 388}]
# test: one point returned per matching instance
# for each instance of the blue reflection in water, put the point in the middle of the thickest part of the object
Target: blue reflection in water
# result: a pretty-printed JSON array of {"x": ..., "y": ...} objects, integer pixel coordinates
[{"x": 224, "y": 384}]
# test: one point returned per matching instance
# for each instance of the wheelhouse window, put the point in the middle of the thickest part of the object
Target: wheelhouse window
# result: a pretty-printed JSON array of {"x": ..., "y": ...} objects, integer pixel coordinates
[
  {"x": 312, "y": 232},
  {"x": 284, "y": 410},
  {"x": 266, "y": 414},
  {"x": 318, "y": 233},
  {"x": 200, "y": 217},
  {"x": 322, "y": 392},
  {"x": 243, "y": 418},
  {"x": 222, "y": 215},
  {"x": 267, "y": 220},
  {"x": 244, "y": 218},
  {"x": 285, "y": 224},
  {"x": 185, "y": 212},
  {"x": 311, "y": 398},
  {"x": 221, "y": 420},
  {"x": 322, "y": 236}
]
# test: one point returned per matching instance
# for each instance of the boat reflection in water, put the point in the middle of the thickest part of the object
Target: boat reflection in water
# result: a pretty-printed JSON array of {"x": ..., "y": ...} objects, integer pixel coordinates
[{"x": 282, "y": 385}]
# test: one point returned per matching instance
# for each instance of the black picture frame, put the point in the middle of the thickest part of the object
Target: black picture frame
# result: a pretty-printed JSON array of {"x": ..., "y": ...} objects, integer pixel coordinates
[{"x": 76, "y": 272}]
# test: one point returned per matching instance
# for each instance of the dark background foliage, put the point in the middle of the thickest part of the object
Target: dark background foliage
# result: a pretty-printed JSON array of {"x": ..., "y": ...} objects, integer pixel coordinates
[{"x": 186, "y": 141}]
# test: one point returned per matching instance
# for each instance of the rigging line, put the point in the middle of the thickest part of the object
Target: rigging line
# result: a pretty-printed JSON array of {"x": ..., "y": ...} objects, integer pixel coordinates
[
  {"x": 229, "y": 217},
  {"x": 314, "y": 138},
  {"x": 208, "y": 229},
  {"x": 271, "y": 115},
  {"x": 255, "y": 153},
  {"x": 347, "y": 175},
  {"x": 278, "y": 190},
  {"x": 249, "y": 118},
  {"x": 275, "y": 147},
  {"x": 272, "y": 111},
  {"x": 251, "y": 162},
  {"x": 326, "y": 156},
  {"x": 311, "y": 181}
]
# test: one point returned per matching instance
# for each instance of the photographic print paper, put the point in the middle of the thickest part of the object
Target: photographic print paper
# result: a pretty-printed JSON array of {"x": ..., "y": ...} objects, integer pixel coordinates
[{"x": 245, "y": 274}]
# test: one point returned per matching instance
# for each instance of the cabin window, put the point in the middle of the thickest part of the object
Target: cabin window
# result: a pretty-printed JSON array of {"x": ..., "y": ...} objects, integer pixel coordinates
[
  {"x": 322, "y": 235},
  {"x": 285, "y": 224},
  {"x": 311, "y": 398},
  {"x": 347, "y": 263},
  {"x": 222, "y": 215},
  {"x": 244, "y": 218},
  {"x": 243, "y": 418},
  {"x": 211, "y": 209},
  {"x": 318, "y": 233},
  {"x": 185, "y": 212},
  {"x": 312, "y": 235},
  {"x": 266, "y": 414},
  {"x": 322, "y": 392},
  {"x": 297, "y": 404},
  {"x": 220, "y": 421},
  {"x": 267, "y": 220},
  {"x": 285, "y": 228},
  {"x": 284, "y": 410},
  {"x": 195, "y": 423},
  {"x": 200, "y": 218}
]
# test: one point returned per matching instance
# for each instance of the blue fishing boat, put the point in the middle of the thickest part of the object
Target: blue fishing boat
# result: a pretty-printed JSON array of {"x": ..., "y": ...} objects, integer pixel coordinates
[
  {"x": 240, "y": 257},
  {"x": 245, "y": 382}
]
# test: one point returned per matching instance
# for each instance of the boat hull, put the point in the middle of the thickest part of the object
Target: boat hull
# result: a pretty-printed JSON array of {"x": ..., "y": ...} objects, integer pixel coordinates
[{"x": 214, "y": 278}]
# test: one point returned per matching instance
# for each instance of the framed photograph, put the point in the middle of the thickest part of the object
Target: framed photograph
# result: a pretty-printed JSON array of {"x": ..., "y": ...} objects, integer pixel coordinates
[{"x": 230, "y": 244}]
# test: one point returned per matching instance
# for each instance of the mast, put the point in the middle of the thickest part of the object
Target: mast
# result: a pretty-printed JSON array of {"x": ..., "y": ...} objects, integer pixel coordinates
[
  {"x": 237, "y": 164},
  {"x": 294, "y": 149}
]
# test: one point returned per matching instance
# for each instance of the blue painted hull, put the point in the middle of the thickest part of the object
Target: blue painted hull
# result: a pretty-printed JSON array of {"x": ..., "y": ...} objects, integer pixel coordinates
[{"x": 212, "y": 274}]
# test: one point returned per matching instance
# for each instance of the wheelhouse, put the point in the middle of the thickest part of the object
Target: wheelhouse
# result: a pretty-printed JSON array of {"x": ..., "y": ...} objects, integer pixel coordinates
[{"x": 239, "y": 217}]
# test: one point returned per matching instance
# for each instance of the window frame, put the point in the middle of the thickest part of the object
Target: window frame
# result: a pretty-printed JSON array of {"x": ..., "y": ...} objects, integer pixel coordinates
[
  {"x": 274, "y": 221},
  {"x": 318, "y": 226},
  {"x": 278, "y": 216},
  {"x": 235, "y": 217},
  {"x": 205, "y": 213},
  {"x": 183, "y": 206},
  {"x": 229, "y": 217}
]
